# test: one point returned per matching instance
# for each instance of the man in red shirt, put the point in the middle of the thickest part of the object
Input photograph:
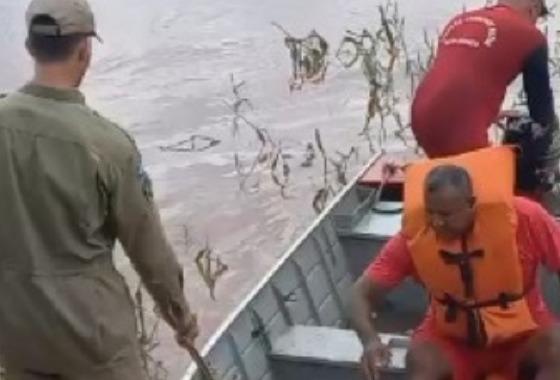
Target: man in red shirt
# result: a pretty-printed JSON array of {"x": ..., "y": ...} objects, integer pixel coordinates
[
  {"x": 451, "y": 212},
  {"x": 479, "y": 54}
]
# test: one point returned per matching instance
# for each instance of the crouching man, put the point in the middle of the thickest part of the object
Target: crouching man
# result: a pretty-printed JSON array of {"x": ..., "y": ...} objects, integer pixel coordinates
[{"x": 476, "y": 249}]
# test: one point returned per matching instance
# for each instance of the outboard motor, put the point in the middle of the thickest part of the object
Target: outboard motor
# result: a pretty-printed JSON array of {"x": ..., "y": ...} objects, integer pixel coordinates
[{"x": 538, "y": 153}]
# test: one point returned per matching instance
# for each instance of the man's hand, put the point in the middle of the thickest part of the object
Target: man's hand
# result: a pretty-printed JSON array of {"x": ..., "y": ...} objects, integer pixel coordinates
[
  {"x": 507, "y": 114},
  {"x": 365, "y": 294},
  {"x": 182, "y": 321},
  {"x": 376, "y": 355},
  {"x": 186, "y": 331}
]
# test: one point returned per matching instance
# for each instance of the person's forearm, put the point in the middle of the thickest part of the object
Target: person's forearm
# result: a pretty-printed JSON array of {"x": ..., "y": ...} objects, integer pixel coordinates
[
  {"x": 362, "y": 321},
  {"x": 136, "y": 222},
  {"x": 158, "y": 268},
  {"x": 536, "y": 82}
]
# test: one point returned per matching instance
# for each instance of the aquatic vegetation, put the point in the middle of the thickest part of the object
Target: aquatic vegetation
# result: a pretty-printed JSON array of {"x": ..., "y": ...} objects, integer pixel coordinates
[
  {"x": 148, "y": 339},
  {"x": 195, "y": 143},
  {"x": 379, "y": 52},
  {"x": 392, "y": 72},
  {"x": 270, "y": 156},
  {"x": 211, "y": 268},
  {"x": 309, "y": 58},
  {"x": 334, "y": 172}
]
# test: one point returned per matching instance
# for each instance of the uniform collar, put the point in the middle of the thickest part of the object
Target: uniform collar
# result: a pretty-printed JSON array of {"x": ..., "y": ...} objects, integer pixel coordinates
[{"x": 58, "y": 94}]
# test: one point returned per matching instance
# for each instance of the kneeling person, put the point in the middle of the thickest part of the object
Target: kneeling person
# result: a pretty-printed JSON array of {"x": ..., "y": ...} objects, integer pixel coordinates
[{"x": 476, "y": 249}]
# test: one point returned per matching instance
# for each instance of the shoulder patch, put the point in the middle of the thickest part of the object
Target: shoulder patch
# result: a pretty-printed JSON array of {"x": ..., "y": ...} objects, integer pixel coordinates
[{"x": 145, "y": 181}]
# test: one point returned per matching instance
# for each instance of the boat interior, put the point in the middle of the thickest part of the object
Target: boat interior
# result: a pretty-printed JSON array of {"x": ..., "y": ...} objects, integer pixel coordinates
[{"x": 295, "y": 325}]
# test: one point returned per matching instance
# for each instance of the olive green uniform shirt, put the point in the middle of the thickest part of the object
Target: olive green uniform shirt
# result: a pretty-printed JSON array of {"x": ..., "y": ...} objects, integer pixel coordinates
[{"x": 71, "y": 184}]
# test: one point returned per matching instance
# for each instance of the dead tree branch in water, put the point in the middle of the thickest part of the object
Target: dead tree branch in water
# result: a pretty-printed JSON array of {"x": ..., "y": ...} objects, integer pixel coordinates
[
  {"x": 378, "y": 52},
  {"x": 391, "y": 33},
  {"x": 341, "y": 165},
  {"x": 308, "y": 57},
  {"x": 195, "y": 143},
  {"x": 211, "y": 268},
  {"x": 280, "y": 178},
  {"x": 310, "y": 156},
  {"x": 147, "y": 338},
  {"x": 270, "y": 156},
  {"x": 322, "y": 196},
  {"x": 262, "y": 136},
  {"x": 334, "y": 173}
]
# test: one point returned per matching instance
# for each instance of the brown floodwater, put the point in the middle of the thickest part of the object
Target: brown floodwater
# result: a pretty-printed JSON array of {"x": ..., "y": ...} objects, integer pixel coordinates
[{"x": 163, "y": 74}]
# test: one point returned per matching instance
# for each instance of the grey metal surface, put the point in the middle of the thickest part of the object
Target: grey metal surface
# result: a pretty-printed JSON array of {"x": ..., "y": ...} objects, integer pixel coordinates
[
  {"x": 309, "y": 285},
  {"x": 360, "y": 252},
  {"x": 318, "y": 344},
  {"x": 310, "y": 288},
  {"x": 307, "y": 352},
  {"x": 352, "y": 207},
  {"x": 364, "y": 240},
  {"x": 277, "y": 334},
  {"x": 377, "y": 225},
  {"x": 329, "y": 345}
]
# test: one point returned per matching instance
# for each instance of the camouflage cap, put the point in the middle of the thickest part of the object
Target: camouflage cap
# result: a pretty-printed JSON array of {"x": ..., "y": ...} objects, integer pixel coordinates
[{"x": 69, "y": 16}]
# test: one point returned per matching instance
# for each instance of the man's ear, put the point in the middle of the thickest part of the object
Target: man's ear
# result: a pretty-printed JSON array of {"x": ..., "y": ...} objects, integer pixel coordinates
[
  {"x": 28, "y": 46},
  {"x": 84, "y": 50},
  {"x": 472, "y": 201}
]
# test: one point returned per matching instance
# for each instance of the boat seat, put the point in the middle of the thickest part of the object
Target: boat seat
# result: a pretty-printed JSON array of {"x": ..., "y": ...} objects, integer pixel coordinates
[{"x": 313, "y": 352}]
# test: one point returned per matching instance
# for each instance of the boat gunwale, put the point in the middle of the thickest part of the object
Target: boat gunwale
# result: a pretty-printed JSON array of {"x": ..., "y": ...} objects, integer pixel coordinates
[{"x": 230, "y": 319}]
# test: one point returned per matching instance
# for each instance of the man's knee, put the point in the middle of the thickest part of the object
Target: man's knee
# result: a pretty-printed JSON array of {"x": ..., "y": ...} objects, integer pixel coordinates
[
  {"x": 427, "y": 361},
  {"x": 542, "y": 356}
]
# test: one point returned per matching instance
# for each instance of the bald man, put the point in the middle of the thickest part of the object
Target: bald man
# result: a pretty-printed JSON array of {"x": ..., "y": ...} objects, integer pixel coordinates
[{"x": 527, "y": 346}]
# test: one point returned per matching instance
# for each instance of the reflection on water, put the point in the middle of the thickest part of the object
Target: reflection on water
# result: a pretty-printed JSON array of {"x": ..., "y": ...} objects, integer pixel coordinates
[{"x": 163, "y": 73}]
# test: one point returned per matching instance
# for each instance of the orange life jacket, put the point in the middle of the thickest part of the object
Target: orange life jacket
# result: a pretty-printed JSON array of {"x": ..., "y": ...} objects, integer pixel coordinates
[{"x": 476, "y": 284}]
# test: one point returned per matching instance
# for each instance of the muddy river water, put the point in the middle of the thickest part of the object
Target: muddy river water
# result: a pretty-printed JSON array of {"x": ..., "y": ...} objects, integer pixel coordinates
[{"x": 163, "y": 73}]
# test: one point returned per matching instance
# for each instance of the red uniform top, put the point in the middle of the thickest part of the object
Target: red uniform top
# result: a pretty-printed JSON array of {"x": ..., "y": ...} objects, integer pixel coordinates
[
  {"x": 479, "y": 54},
  {"x": 538, "y": 241}
]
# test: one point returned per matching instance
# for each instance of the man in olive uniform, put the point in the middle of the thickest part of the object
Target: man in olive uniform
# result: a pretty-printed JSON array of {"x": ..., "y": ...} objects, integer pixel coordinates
[{"x": 72, "y": 184}]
